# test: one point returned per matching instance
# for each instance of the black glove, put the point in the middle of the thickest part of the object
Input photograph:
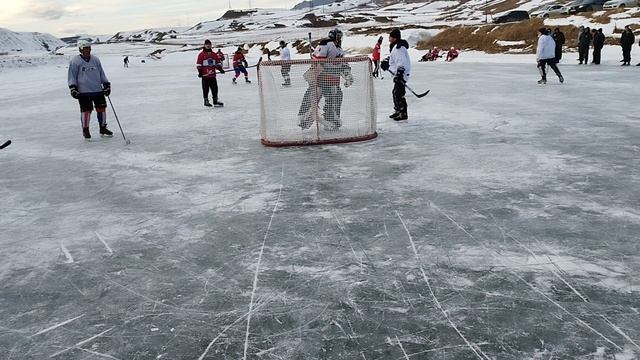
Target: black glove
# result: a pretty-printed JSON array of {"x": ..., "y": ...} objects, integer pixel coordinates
[
  {"x": 384, "y": 65},
  {"x": 106, "y": 88},
  {"x": 399, "y": 76},
  {"x": 74, "y": 91},
  {"x": 221, "y": 71},
  {"x": 199, "y": 74}
]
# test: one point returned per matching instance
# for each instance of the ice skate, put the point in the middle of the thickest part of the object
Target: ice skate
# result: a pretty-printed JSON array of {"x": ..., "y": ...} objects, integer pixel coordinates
[
  {"x": 542, "y": 81},
  {"x": 218, "y": 103},
  {"x": 234, "y": 81},
  {"x": 561, "y": 79},
  {"x": 86, "y": 133},
  {"x": 304, "y": 120},
  {"x": 207, "y": 103},
  {"x": 246, "y": 80},
  {"x": 402, "y": 116},
  {"x": 104, "y": 132}
]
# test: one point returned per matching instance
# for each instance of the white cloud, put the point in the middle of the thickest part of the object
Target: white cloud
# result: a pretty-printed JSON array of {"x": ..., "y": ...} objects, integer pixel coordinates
[{"x": 68, "y": 17}]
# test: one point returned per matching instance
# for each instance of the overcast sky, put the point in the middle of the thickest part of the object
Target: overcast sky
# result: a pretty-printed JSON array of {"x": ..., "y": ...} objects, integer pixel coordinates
[{"x": 106, "y": 17}]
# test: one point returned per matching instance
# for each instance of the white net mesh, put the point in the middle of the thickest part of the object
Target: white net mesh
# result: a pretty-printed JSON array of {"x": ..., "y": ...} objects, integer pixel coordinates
[{"x": 316, "y": 101}]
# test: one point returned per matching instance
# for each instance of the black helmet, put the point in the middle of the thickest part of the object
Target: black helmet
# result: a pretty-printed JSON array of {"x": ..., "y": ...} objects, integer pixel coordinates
[
  {"x": 282, "y": 43},
  {"x": 335, "y": 35}
]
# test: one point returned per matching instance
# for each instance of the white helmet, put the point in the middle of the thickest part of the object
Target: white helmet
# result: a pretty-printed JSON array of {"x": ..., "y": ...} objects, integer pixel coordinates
[{"x": 83, "y": 44}]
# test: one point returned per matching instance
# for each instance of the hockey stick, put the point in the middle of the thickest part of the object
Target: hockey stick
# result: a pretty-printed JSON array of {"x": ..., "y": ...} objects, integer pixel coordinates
[
  {"x": 408, "y": 88},
  {"x": 6, "y": 143},
  {"x": 126, "y": 141}
]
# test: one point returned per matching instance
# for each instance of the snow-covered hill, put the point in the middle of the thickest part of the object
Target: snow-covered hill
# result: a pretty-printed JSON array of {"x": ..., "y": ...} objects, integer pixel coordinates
[{"x": 28, "y": 42}]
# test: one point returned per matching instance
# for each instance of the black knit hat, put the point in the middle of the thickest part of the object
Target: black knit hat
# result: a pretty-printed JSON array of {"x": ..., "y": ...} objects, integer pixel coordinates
[
  {"x": 395, "y": 33},
  {"x": 207, "y": 42}
]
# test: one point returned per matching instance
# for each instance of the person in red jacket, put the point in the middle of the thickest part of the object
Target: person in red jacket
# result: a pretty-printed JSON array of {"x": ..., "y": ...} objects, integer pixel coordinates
[
  {"x": 207, "y": 64},
  {"x": 452, "y": 54},
  {"x": 240, "y": 66},
  {"x": 376, "y": 57}
]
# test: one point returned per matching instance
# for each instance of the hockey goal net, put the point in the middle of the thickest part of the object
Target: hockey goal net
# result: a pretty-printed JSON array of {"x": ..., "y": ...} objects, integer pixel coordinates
[{"x": 306, "y": 102}]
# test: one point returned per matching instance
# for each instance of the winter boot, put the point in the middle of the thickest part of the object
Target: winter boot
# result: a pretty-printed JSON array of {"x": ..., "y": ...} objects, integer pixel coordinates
[
  {"x": 207, "y": 103},
  {"x": 234, "y": 81},
  {"x": 247, "y": 80},
  {"x": 401, "y": 116},
  {"x": 217, "y": 103},
  {"x": 86, "y": 133},
  {"x": 104, "y": 132}
]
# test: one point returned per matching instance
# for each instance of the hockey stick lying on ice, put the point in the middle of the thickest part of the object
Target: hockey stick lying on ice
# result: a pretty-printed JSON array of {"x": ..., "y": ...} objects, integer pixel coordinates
[
  {"x": 408, "y": 88},
  {"x": 6, "y": 143}
]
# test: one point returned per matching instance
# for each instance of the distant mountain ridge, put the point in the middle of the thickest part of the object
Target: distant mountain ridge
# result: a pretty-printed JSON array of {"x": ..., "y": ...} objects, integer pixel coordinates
[
  {"x": 27, "y": 42},
  {"x": 312, "y": 3}
]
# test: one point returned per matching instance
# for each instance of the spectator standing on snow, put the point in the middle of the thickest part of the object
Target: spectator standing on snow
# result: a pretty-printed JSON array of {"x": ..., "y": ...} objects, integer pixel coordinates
[
  {"x": 558, "y": 37},
  {"x": 376, "y": 57},
  {"x": 89, "y": 84},
  {"x": 126, "y": 61},
  {"x": 207, "y": 64},
  {"x": 598, "y": 44},
  {"x": 452, "y": 54},
  {"x": 240, "y": 65},
  {"x": 399, "y": 63},
  {"x": 583, "y": 46},
  {"x": 546, "y": 55},
  {"x": 285, "y": 55},
  {"x": 627, "y": 39}
]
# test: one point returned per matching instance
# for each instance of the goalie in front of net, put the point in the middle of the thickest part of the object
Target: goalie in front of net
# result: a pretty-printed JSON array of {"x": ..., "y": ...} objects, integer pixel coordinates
[{"x": 324, "y": 82}]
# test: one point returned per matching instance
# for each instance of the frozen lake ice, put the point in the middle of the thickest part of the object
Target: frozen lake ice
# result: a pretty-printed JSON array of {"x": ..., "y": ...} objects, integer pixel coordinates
[{"x": 500, "y": 222}]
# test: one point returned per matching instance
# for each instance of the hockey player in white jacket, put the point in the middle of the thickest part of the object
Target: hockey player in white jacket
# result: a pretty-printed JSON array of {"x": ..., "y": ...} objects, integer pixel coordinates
[
  {"x": 546, "y": 55},
  {"x": 399, "y": 64}
]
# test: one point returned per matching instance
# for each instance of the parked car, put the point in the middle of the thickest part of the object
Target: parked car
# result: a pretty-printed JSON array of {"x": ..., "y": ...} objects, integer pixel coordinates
[
  {"x": 515, "y": 15},
  {"x": 586, "y": 6},
  {"x": 566, "y": 9},
  {"x": 549, "y": 10},
  {"x": 615, "y": 4}
]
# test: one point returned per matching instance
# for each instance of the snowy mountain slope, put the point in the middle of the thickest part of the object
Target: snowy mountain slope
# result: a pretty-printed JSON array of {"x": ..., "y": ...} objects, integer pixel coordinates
[{"x": 27, "y": 42}]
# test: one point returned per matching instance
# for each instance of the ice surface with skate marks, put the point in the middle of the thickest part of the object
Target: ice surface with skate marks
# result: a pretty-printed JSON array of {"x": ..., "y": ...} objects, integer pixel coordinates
[{"x": 501, "y": 221}]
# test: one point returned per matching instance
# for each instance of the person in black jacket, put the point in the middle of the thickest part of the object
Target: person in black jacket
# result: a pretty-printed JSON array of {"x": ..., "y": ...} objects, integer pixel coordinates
[
  {"x": 626, "y": 41},
  {"x": 583, "y": 46},
  {"x": 598, "y": 44},
  {"x": 558, "y": 37}
]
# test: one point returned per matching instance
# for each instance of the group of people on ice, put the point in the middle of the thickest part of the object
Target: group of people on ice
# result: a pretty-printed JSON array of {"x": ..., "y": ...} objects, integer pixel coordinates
[
  {"x": 90, "y": 86},
  {"x": 588, "y": 37},
  {"x": 435, "y": 54}
]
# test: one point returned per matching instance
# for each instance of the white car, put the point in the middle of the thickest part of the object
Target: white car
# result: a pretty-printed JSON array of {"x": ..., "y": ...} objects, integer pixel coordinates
[
  {"x": 549, "y": 10},
  {"x": 615, "y": 4}
]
